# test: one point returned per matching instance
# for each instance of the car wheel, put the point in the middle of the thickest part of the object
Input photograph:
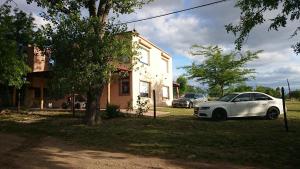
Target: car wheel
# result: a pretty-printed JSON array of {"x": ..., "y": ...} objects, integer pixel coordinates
[
  {"x": 219, "y": 115},
  {"x": 190, "y": 105},
  {"x": 272, "y": 113}
]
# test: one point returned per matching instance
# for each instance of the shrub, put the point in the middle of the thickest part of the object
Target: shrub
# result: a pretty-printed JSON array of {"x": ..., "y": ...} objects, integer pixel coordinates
[
  {"x": 142, "y": 106},
  {"x": 112, "y": 111}
]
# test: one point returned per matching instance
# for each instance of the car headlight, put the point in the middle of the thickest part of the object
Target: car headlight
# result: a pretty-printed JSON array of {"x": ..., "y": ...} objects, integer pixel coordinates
[{"x": 204, "y": 108}]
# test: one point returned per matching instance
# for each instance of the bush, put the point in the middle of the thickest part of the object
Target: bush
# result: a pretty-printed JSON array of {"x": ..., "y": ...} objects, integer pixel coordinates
[
  {"x": 142, "y": 106},
  {"x": 112, "y": 111}
]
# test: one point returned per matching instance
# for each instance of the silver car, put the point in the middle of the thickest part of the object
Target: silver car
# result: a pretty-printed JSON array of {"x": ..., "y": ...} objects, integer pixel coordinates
[{"x": 189, "y": 100}]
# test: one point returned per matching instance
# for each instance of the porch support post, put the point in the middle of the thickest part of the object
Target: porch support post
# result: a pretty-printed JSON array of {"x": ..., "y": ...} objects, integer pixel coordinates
[
  {"x": 108, "y": 90},
  {"x": 177, "y": 91},
  {"x": 42, "y": 96}
]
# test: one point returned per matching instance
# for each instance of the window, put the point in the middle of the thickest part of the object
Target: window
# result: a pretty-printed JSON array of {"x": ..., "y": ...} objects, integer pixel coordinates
[
  {"x": 259, "y": 96},
  {"x": 144, "y": 89},
  {"x": 243, "y": 97},
  {"x": 165, "y": 92},
  {"x": 165, "y": 65},
  {"x": 144, "y": 55},
  {"x": 124, "y": 86}
]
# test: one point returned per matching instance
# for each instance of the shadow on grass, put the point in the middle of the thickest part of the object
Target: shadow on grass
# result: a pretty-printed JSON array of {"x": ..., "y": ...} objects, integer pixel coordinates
[{"x": 240, "y": 141}]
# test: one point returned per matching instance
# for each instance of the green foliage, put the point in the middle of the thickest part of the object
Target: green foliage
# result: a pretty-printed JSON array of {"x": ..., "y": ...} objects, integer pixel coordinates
[
  {"x": 254, "y": 13},
  {"x": 89, "y": 60},
  {"x": 214, "y": 91},
  {"x": 87, "y": 49},
  {"x": 268, "y": 90},
  {"x": 241, "y": 88},
  {"x": 195, "y": 89},
  {"x": 16, "y": 32},
  {"x": 220, "y": 70},
  {"x": 112, "y": 111},
  {"x": 183, "y": 84},
  {"x": 142, "y": 106},
  {"x": 295, "y": 94}
]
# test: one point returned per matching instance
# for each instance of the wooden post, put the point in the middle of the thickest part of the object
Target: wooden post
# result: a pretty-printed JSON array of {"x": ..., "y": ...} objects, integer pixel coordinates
[
  {"x": 284, "y": 110},
  {"x": 42, "y": 96},
  {"x": 154, "y": 104},
  {"x": 177, "y": 91},
  {"x": 73, "y": 102}
]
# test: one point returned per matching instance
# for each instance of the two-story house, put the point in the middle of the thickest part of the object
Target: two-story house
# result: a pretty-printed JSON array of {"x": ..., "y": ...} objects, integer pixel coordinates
[{"x": 153, "y": 71}]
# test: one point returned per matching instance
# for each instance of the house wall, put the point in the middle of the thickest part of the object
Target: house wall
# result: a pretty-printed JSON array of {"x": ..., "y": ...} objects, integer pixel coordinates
[
  {"x": 30, "y": 99},
  {"x": 115, "y": 97},
  {"x": 152, "y": 73},
  {"x": 36, "y": 60}
]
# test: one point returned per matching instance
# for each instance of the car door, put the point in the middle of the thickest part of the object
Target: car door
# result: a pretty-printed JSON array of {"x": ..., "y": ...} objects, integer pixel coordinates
[
  {"x": 259, "y": 105},
  {"x": 240, "y": 105}
]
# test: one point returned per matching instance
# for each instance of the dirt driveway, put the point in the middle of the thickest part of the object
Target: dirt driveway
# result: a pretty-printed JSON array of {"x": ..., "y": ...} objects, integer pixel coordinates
[{"x": 48, "y": 152}]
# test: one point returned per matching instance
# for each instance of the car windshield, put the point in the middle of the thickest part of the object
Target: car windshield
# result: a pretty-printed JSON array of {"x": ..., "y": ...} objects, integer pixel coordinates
[
  {"x": 189, "y": 96},
  {"x": 227, "y": 97}
]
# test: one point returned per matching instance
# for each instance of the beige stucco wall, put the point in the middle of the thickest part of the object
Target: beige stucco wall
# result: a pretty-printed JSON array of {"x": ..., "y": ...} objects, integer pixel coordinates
[
  {"x": 115, "y": 97},
  {"x": 152, "y": 73},
  {"x": 37, "y": 60}
]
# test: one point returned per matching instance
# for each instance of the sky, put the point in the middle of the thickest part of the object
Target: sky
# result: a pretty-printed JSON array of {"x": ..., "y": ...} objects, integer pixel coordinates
[{"x": 175, "y": 34}]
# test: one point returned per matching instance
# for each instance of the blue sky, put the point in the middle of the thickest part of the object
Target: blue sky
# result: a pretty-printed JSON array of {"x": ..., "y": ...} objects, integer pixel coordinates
[{"x": 205, "y": 26}]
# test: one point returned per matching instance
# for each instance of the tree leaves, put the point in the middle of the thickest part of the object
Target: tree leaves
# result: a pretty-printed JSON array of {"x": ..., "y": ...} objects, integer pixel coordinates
[
  {"x": 219, "y": 69},
  {"x": 252, "y": 14},
  {"x": 16, "y": 32}
]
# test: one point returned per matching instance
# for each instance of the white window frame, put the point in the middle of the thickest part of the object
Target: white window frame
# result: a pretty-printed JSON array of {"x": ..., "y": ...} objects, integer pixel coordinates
[
  {"x": 141, "y": 55},
  {"x": 168, "y": 92},
  {"x": 149, "y": 88},
  {"x": 165, "y": 64}
]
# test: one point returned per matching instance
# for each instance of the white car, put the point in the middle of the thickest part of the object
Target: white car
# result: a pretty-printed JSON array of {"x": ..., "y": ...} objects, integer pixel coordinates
[{"x": 245, "y": 104}]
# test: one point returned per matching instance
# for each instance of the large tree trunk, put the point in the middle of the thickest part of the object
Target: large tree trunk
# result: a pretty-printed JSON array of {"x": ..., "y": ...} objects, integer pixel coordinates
[
  {"x": 92, "y": 115},
  {"x": 95, "y": 91},
  {"x": 222, "y": 90}
]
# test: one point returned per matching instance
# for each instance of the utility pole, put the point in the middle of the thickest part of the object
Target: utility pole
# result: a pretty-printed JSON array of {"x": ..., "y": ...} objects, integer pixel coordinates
[{"x": 289, "y": 88}]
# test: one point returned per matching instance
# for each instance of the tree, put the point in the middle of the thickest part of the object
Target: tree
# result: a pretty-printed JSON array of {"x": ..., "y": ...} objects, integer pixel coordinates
[
  {"x": 195, "y": 89},
  {"x": 220, "y": 70},
  {"x": 87, "y": 49},
  {"x": 268, "y": 90},
  {"x": 16, "y": 32},
  {"x": 295, "y": 94},
  {"x": 183, "y": 84},
  {"x": 253, "y": 13},
  {"x": 243, "y": 88}
]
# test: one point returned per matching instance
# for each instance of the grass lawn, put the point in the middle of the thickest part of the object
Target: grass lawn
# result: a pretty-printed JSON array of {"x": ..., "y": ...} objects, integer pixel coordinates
[{"x": 178, "y": 135}]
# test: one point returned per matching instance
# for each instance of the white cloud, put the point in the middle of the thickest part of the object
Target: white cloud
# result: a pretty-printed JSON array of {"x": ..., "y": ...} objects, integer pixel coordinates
[{"x": 204, "y": 26}]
